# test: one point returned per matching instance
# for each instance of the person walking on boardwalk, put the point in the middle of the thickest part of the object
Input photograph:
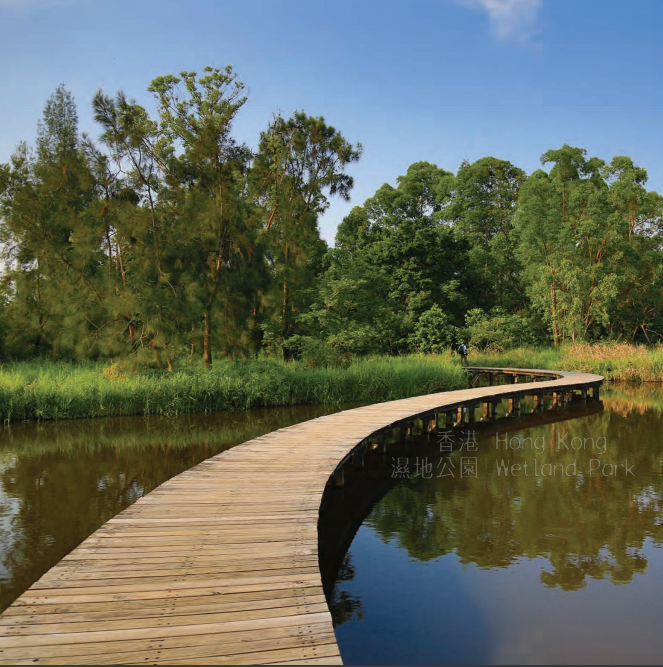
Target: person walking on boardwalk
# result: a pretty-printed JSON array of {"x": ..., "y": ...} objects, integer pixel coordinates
[{"x": 462, "y": 350}]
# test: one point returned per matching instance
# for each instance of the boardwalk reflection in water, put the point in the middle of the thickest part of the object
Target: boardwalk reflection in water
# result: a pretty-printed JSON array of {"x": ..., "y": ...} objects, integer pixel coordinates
[{"x": 498, "y": 569}]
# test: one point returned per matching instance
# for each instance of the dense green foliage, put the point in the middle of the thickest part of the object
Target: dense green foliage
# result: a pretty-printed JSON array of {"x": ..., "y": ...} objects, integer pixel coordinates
[{"x": 167, "y": 243}]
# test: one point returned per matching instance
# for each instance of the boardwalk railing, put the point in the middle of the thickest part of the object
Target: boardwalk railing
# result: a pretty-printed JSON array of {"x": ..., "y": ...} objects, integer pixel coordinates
[{"x": 220, "y": 564}]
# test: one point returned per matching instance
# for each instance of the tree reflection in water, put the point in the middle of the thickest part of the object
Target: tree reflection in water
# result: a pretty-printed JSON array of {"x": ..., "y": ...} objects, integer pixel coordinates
[
  {"x": 60, "y": 481},
  {"x": 584, "y": 526}
]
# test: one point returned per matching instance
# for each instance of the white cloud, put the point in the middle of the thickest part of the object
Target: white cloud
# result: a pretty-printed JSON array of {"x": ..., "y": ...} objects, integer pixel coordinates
[{"x": 509, "y": 18}]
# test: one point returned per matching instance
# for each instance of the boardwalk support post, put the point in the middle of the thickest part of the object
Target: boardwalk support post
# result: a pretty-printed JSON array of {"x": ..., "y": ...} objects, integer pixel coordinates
[
  {"x": 471, "y": 410},
  {"x": 358, "y": 458}
]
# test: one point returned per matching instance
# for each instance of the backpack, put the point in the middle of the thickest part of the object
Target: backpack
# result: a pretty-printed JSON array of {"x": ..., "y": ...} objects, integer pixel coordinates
[{"x": 462, "y": 349}]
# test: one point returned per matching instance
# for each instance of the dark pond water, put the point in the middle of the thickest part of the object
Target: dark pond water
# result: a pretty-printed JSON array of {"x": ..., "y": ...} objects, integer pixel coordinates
[
  {"x": 553, "y": 564},
  {"x": 60, "y": 481}
]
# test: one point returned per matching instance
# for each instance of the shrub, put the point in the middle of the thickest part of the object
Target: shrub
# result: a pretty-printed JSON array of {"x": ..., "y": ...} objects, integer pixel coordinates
[
  {"x": 434, "y": 332},
  {"x": 497, "y": 330}
]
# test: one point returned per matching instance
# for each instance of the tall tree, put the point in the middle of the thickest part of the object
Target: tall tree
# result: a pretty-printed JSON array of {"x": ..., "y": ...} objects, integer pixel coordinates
[
  {"x": 193, "y": 238},
  {"x": 482, "y": 210},
  {"x": 146, "y": 303},
  {"x": 403, "y": 231},
  {"x": 638, "y": 306},
  {"x": 301, "y": 162},
  {"x": 49, "y": 237},
  {"x": 576, "y": 229}
]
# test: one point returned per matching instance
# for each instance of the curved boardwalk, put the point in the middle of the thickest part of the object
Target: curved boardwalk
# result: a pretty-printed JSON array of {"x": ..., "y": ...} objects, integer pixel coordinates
[{"x": 219, "y": 564}]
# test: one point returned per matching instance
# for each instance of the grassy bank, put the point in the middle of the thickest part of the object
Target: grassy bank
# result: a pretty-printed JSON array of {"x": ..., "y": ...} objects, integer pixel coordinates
[
  {"x": 41, "y": 391},
  {"x": 62, "y": 391},
  {"x": 616, "y": 362}
]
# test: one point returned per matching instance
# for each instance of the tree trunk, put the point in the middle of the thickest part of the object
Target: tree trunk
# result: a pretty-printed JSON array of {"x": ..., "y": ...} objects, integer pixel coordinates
[
  {"x": 191, "y": 346},
  {"x": 41, "y": 315},
  {"x": 157, "y": 356},
  {"x": 642, "y": 326},
  {"x": 207, "y": 349},
  {"x": 122, "y": 272},
  {"x": 553, "y": 297},
  {"x": 132, "y": 334},
  {"x": 285, "y": 327},
  {"x": 110, "y": 253}
]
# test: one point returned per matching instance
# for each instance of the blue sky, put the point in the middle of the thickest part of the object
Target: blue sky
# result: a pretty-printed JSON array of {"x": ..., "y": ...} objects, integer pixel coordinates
[{"x": 436, "y": 80}]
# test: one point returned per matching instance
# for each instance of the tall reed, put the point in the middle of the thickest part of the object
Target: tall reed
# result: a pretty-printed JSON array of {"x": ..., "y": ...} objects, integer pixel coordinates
[
  {"x": 619, "y": 362},
  {"x": 39, "y": 391}
]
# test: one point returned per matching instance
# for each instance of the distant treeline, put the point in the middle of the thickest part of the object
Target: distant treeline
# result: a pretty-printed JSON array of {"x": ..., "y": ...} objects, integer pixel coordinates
[{"x": 166, "y": 242}]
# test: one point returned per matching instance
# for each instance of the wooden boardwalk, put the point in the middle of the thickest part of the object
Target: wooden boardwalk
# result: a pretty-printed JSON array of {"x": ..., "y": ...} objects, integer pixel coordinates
[{"x": 219, "y": 564}]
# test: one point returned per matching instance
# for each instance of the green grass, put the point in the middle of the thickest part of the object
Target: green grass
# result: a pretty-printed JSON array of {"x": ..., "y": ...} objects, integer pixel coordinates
[
  {"x": 49, "y": 390},
  {"x": 616, "y": 362},
  {"x": 41, "y": 391}
]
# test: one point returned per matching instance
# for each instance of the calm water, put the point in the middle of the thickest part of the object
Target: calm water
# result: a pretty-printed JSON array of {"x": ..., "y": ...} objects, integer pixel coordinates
[
  {"x": 556, "y": 566},
  {"x": 60, "y": 482}
]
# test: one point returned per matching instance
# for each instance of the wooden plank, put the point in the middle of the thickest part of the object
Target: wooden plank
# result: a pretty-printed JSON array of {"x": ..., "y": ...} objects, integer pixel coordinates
[
  {"x": 156, "y": 643},
  {"x": 158, "y": 622},
  {"x": 76, "y": 605},
  {"x": 219, "y": 564},
  {"x": 72, "y": 615},
  {"x": 194, "y": 654},
  {"x": 57, "y": 639}
]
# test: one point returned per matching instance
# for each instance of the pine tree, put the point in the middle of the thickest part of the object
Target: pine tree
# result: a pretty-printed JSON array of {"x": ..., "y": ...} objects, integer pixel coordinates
[{"x": 300, "y": 161}]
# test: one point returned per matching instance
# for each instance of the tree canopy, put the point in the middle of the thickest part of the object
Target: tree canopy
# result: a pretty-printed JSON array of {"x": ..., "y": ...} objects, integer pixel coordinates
[{"x": 165, "y": 241}]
